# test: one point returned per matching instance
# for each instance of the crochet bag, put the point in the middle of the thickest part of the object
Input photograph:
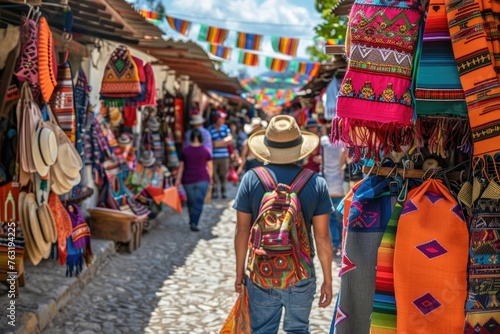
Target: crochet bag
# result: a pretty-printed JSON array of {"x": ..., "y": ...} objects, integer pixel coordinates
[{"x": 280, "y": 249}]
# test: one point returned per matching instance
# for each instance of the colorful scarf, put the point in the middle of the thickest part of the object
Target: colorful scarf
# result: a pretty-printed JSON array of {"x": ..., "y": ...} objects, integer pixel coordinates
[
  {"x": 430, "y": 262},
  {"x": 79, "y": 244},
  {"x": 375, "y": 107},
  {"x": 473, "y": 27},
  {"x": 368, "y": 216},
  {"x": 442, "y": 122}
]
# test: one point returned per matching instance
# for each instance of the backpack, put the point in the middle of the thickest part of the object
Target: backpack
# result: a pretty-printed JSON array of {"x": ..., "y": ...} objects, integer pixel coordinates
[{"x": 279, "y": 244}]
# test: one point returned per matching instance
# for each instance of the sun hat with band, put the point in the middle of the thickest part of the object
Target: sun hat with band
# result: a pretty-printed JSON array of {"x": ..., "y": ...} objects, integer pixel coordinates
[
  {"x": 282, "y": 142},
  {"x": 256, "y": 123}
]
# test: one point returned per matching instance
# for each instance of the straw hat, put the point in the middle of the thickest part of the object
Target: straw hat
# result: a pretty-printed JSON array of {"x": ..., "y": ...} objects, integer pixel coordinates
[
  {"x": 196, "y": 120},
  {"x": 153, "y": 124},
  {"x": 71, "y": 162},
  {"x": 282, "y": 142},
  {"x": 29, "y": 244},
  {"x": 60, "y": 182},
  {"x": 47, "y": 223},
  {"x": 44, "y": 149},
  {"x": 124, "y": 139},
  {"x": 31, "y": 212},
  {"x": 115, "y": 116},
  {"x": 148, "y": 158},
  {"x": 255, "y": 124}
]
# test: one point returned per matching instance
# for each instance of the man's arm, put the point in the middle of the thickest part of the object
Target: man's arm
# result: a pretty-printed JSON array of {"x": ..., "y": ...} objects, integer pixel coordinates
[
  {"x": 226, "y": 141},
  {"x": 241, "y": 235},
  {"x": 324, "y": 249}
]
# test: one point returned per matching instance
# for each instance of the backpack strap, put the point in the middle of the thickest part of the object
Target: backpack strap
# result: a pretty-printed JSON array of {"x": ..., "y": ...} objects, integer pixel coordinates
[
  {"x": 301, "y": 180},
  {"x": 265, "y": 178}
]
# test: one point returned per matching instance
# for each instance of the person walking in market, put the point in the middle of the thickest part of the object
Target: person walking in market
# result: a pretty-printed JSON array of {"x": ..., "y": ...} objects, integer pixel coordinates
[
  {"x": 333, "y": 161},
  {"x": 313, "y": 160},
  {"x": 221, "y": 140},
  {"x": 197, "y": 122},
  {"x": 195, "y": 174},
  {"x": 282, "y": 280}
]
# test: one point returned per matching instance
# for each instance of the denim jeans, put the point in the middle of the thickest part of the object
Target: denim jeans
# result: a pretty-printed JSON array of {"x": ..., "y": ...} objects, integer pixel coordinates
[
  {"x": 266, "y": 306},
  {"x": 195, "y": 193},
  {"x": 336, "y": 223}
]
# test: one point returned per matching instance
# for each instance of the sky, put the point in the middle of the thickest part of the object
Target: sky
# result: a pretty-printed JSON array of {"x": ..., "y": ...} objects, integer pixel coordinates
[{"x": 287, "y": 18}]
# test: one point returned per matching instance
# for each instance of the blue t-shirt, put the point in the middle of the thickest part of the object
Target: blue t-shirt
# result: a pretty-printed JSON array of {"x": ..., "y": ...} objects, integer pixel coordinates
[
  {"x": 314, "y": 197},
  {"x": 223, "y": 132}
]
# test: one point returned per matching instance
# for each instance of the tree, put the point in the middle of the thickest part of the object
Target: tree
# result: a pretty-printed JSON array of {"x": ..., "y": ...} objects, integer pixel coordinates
[{"x": 332, "y": 27}]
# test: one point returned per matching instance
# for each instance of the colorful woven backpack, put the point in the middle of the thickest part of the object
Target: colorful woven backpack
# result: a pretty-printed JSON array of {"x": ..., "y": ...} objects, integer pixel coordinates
[{"x": 279, "y": 244}]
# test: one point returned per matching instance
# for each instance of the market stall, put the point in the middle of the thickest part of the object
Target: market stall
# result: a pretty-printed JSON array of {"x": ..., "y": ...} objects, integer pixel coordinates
[{"x": 418, "y": 253}]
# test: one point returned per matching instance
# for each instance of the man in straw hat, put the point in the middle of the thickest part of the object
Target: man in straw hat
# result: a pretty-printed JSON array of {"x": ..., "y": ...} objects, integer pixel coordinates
[
  {"x": 197, "y": 122},
  {"x": 282, "y": 145}
]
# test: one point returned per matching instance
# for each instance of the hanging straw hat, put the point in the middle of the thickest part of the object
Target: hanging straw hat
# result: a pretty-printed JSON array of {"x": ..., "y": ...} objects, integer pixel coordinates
[
  {"x": 255, "y": 124},
  {"x": 34, "y": 254},
  {"x": 197, "y": 119},
  {"x": 148, "y": 158},
  {"x": 47, "y": 223},
  {"x": 153, "y": 124},
  {"x": 70, "y": 162},
  {"x": 31, "y": 212},
  {"x": 44, "y": 149},
  {"x": 124, "y": 139},
  {"x": 115, "y": 116},
  {"x": 282, "y": 142}
]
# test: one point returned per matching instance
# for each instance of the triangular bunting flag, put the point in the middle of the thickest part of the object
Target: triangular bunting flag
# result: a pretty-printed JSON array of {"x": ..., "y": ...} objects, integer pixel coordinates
[
  {"x": 181, "y": 26},
  {"x": 248, "y": 41},
  {"x": 248, "y": 58},
  {"x": 285, "y": 45},
  {"x": 220, "y": 51},
  {"x": 212, "y": 35}
]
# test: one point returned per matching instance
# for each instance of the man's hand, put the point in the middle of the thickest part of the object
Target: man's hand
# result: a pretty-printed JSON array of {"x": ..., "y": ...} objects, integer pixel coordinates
[
  {"x": 325, "y": 298},
  {"x": 240, "y": 279}
]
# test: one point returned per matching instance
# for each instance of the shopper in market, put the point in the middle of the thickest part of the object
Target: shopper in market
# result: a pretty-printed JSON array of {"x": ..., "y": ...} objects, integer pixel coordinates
[
  {"x": 195, "y": 173},
  {"x": 333, "y": 161},
  {"x": 221, "y": 140},
  {"x": 282, "y": 144},
  {"x": 197, "y": 122},
  {"x": 248, "y": 159},
  {"x": 313, "y": 161}
]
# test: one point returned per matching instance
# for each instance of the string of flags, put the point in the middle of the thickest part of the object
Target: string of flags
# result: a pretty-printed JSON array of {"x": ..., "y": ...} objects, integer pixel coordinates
[{"x": 215, "y": 38}]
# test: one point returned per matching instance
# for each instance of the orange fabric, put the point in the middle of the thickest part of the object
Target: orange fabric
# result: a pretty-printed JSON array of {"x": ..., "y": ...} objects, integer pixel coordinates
[
  {"x": 63, "y": 225},
  {"x": 172, "y": 199},
  {"x": 430, "y": 262},
  {"x": 474, "y": 32},
  {"x": 46, "y": 71}
]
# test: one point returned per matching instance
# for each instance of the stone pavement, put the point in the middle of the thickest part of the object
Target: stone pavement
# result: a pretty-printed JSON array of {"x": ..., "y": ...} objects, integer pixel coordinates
[{"x": 177, "y": 282}]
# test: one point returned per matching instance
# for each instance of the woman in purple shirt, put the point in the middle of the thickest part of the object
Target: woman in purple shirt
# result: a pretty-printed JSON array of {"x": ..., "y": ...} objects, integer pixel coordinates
[{"x": 195, "y": 174}]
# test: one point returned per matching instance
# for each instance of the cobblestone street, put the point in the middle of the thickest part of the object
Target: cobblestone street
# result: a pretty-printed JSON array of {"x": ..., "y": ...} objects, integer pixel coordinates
[{"x": 177, "y": 282}]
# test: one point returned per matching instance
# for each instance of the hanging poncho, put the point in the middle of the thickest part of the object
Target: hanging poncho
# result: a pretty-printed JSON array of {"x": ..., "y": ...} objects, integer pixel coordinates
[{"x": 375, "y": 107}]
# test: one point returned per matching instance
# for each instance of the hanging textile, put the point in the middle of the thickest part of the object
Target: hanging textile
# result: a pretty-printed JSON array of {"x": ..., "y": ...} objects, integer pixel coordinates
[
  {"x": 369, "y": 213},
  {"x": 220, "y": 51},
  {"x": 330, "y": 97},
  {"x": 430, "y": 262},
  {"x": 478, "y": 59},
  {"x": 306, "y": 68},
  {"x": 247, "y": 58},
  {"x": 62, "y": 101},
  {"x": 375, "y": 108},
  {"x": 277, "y": 65},
  {"x": 483, "y": 302},
  {"x": 212, "y": 35},
  {"x": 248, "y": 41},
  {"x": 181, "y": 26},
  {"x": 151, "y": 15},
  {"x": 442, "y": 122},
  {"x": 285, "y": 45}
]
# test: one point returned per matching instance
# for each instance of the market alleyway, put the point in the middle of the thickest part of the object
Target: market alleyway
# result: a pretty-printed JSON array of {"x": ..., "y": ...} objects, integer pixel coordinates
[{"x": 177, "y": 282}]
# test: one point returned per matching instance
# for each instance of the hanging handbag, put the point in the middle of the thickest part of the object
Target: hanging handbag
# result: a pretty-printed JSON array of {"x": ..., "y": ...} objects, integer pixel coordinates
[{"x": 232, "y": 176}]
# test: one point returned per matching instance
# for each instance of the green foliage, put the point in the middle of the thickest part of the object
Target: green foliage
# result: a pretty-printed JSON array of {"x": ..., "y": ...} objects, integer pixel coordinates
[{"x": 331, "y": 27}]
